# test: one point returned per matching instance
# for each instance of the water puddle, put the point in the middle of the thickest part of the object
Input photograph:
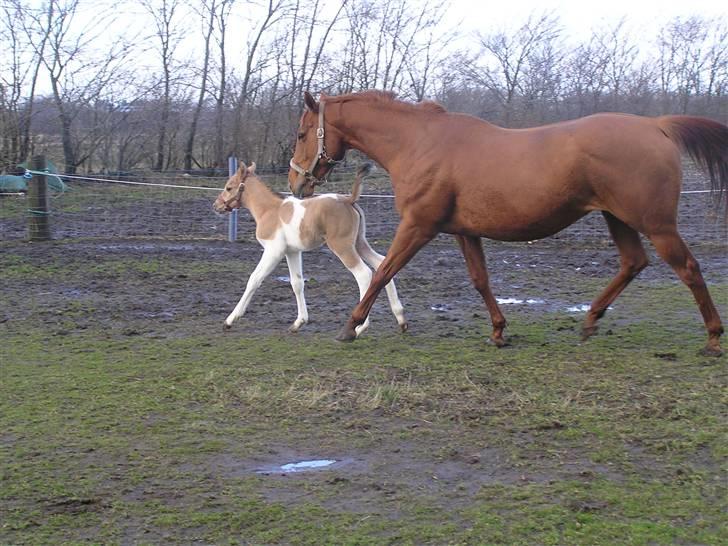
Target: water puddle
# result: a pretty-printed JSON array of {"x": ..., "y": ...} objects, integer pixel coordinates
[
  {"x": 441, "y": 308},
  {"x": 286, "y": 278},
  {"x": 302, "y": 466},
  {"x": 583, "y": 308},
  {"x": 147, "y": 247},
  {"x": 516, "y": 301}
]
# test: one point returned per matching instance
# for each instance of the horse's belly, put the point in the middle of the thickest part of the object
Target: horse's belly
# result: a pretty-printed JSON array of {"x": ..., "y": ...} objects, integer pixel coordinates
[{"x": 514, "y": 226}]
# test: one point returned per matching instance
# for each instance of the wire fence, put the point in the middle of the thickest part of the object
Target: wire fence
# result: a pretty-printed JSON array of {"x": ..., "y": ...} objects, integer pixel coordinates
[{"x": 177, "y": 206}]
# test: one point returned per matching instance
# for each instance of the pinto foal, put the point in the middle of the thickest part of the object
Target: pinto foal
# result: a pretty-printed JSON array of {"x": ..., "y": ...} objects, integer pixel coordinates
[{"x": 289, "y": 226}]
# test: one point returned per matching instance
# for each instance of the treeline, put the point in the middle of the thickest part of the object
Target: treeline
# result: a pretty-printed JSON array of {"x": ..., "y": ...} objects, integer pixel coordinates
[{"x": 182, "y": 84}]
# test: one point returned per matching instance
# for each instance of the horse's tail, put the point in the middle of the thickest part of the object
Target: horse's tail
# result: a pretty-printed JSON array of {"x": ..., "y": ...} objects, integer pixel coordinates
[
  {"x": 706, "y": 142},
  {"x": 361, "y": 172}
]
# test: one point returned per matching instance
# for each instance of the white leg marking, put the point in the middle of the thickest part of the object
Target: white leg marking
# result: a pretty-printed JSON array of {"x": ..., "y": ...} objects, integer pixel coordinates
[
  {"x": 295, "y": 272},
  {"x": 272, "y": 255},
  {"x": 363, "y": 276}
]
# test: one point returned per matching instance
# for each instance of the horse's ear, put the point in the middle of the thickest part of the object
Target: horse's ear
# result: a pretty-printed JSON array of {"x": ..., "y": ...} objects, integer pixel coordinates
[
  {"x": 251, "y": 169},
  {"x": 310, "y": 102},
  {"x": 242, "y": 171}
]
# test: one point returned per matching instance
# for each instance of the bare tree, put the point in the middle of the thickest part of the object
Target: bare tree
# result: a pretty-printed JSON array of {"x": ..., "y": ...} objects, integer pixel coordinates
[
  {"x": 254, "y": 64},
  {"x": 220, "y": 91},
  {"x": 18, "y": 81},
  {"x": 208, "y": 12},
  {"x": 505, "y": 58},
  {"x": 692, "y": 59},
  {"x": 163, "y": 13},
  {"x": 79, "y": 76}
]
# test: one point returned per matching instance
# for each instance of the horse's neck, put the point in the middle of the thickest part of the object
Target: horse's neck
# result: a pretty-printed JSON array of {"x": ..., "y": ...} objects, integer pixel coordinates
[
  {"x": 382, "y": 132},
  {"x": 259, "y": 198}
]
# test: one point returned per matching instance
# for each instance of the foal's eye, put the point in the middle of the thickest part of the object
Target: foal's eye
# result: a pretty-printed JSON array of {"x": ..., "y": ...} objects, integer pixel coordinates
[{"x": 301, "y": 136}]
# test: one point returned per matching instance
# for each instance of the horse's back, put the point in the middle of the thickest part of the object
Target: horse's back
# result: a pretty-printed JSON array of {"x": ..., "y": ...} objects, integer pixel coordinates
[{"x": 531, "y": 183}]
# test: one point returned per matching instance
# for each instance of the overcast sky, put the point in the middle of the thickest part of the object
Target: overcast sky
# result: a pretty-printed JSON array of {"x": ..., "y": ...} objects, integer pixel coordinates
[{"x": 580, "y": 16}]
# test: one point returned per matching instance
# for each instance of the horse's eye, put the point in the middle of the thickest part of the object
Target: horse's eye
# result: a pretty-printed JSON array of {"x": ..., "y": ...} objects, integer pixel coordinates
[{"x": 301, "y": 136}]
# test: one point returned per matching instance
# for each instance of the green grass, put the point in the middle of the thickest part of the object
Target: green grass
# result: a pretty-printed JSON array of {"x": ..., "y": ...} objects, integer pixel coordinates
[{"x": 106, "y": 438}]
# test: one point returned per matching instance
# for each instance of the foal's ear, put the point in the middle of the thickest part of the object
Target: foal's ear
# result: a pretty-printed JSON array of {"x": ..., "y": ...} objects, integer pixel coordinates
[
  {"x": 310, "y": 102},
  {"x": 242, "y": 171},
  {"x": 251, "y": 169}
]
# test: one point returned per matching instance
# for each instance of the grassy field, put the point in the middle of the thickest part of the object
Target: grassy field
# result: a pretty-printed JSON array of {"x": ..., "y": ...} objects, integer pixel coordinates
[{"x": 111, "y": 437}]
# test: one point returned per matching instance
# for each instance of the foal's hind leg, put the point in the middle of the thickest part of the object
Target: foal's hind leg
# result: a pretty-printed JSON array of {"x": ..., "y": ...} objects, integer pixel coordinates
[
  {"x": 672, "y": 249},
  {"x": 633, "y": 260},
  {"x": 472, "y": 249},
  {"x": 363, "y": 275},
  {"x": 374, "y": 260}
]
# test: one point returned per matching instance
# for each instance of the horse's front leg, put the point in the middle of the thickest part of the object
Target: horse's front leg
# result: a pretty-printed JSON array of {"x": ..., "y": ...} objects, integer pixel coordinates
[
  {"x": 472, "y": 249},
  {"x": 408, "y": 239},
  {"x": 272, "y": 254},
  {"x": 295, "y": 273}
]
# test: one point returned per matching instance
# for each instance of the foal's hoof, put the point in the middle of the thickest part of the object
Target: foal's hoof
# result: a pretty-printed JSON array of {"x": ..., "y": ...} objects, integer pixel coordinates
[
  {"x": 711, "y": 350},
  {"x": 498, "y": 341},
  {"x": 226, "y": 326},
  {"x": 293, "y": 328},
  {"x": 347, "y": 334},
  {"x": 403, "y": 327}
]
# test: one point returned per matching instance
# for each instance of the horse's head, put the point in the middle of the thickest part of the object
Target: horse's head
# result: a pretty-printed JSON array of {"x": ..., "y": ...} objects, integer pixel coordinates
[
  {"x": 231, "y": 197},
  {"x": 318, "y": 148}
]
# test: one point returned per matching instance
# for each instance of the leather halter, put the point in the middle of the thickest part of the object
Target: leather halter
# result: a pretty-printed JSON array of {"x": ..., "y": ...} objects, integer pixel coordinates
[
  {"x": 320, "y": 154},
  {"x": 238, "y": 194}
]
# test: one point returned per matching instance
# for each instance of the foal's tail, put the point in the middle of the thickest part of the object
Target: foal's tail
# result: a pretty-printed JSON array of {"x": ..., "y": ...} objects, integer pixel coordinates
[
  {"x": 706, "y": 142},
  {"x": 361, "y": 172}
]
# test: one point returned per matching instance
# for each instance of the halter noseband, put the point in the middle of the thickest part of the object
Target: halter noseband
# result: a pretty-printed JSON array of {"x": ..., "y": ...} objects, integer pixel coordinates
[
  {"x": 320, "y": 154},
  {"x": 238, "y": 194}
]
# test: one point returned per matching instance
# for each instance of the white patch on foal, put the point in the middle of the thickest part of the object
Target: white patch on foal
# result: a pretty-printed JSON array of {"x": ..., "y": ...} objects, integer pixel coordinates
[{"x": 292, "y": 230}]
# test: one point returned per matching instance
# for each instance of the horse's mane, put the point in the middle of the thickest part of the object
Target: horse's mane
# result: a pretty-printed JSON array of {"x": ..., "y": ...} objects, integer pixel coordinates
[{"x": 389, "y": 98}]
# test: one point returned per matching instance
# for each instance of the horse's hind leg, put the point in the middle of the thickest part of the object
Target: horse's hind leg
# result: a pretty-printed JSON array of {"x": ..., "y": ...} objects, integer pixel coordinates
[
  {"x": 632, "y": 260},
  {"x": 672, "y": 249},
  {"x": 472, "y": 249}
]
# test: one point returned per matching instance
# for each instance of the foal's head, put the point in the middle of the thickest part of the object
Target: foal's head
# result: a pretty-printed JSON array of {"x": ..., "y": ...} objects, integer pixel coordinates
[
  {"x": 231, "y": 197},
  {"x": 318, "y": 148}
]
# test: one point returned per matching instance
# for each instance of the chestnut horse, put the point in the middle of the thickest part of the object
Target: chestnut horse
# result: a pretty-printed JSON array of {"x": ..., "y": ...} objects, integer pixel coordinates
[{"x": 454, "y": 173}]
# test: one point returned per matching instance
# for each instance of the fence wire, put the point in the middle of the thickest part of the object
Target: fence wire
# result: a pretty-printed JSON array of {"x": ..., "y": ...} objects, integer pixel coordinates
[{"x": 175, "y": 206}]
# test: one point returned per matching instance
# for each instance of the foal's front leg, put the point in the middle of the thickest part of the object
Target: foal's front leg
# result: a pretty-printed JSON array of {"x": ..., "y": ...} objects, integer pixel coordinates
[
  {"x": 295, "y": 273},
  {"x": 272, "y": 255}
]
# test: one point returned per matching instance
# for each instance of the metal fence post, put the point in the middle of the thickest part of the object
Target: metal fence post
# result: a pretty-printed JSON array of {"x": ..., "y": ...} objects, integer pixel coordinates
[
  {"x": 233, "y": 219},
  {"x": 39, "y": 228}
]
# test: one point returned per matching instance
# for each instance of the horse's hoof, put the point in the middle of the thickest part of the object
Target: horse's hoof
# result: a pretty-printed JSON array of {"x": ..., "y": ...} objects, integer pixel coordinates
[
  {"x": 347, "y": 335},
  {"x": 226, "y": 326},
  {"x": 403, "y": 327},
  {"x": 498, "y": 342},
  {"x": 711, "y": 350},
  {"x": 587, "y": 332}
]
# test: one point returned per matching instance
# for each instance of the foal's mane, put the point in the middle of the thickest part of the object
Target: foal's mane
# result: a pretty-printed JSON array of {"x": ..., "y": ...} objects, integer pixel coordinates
[
  {"x": 264, "y": 188},
  {"x": 389, "y": 98}
]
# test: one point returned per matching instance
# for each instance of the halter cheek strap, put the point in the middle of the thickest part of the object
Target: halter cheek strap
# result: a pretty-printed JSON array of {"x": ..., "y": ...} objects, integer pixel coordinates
[
  {"x": 321, "y": 151},
  {"x": 238, "y": 194}
]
